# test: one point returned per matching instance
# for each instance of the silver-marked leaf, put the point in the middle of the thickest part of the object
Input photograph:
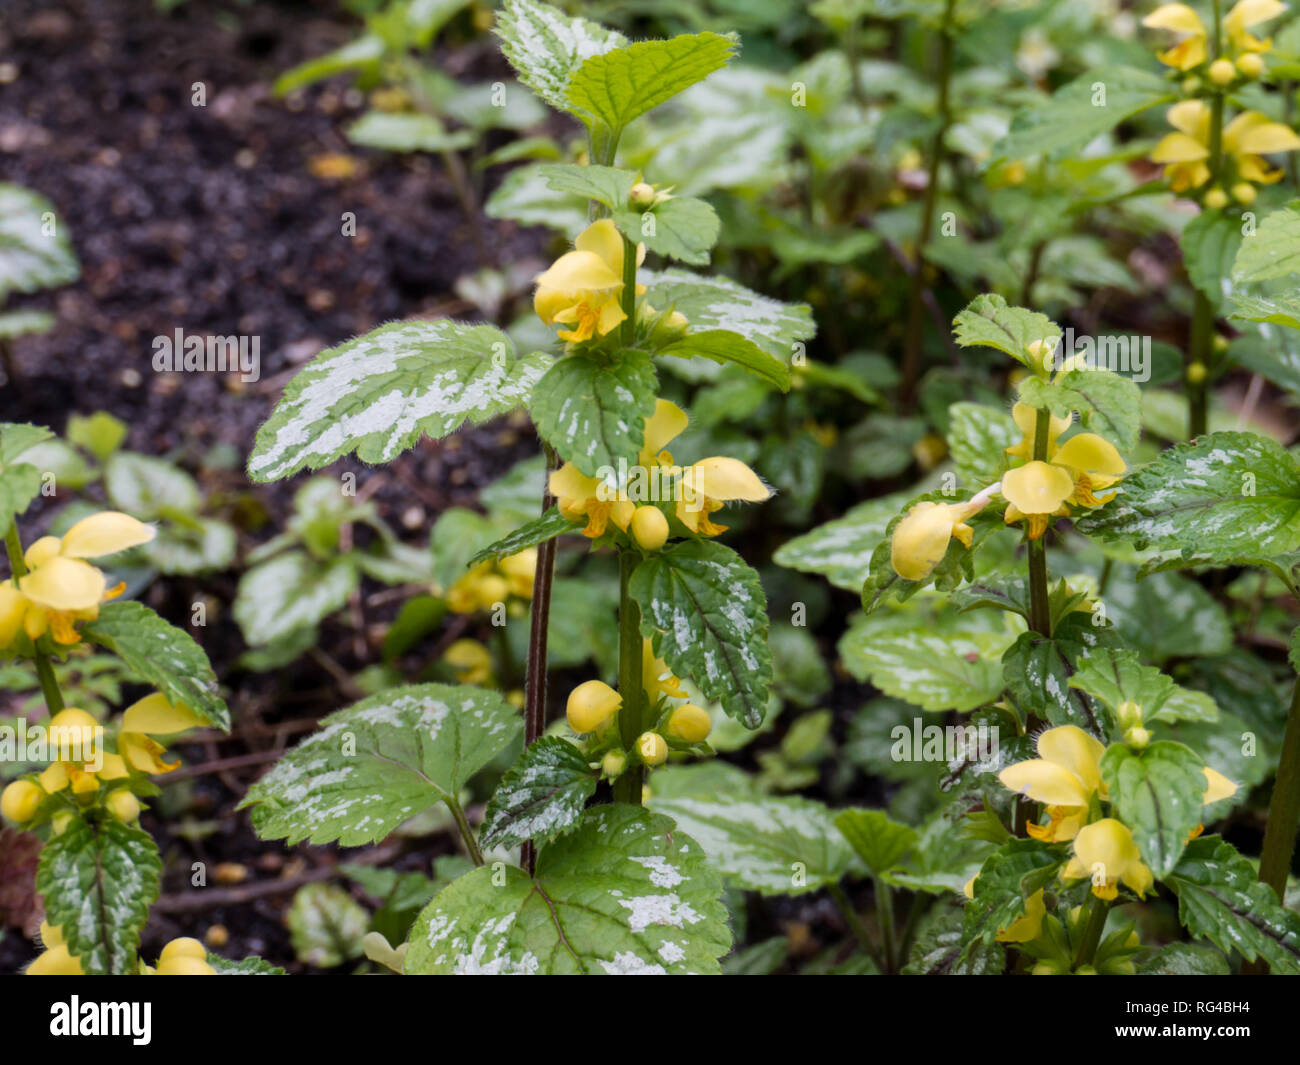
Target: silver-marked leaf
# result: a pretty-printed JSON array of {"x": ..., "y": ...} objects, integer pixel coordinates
[
  {"x": 98, "y": 882},
  {"x": 619, "y": 85},
  {"x": 161, "y": 655},
  {"x": 35, "y": 252},
  {"x": 625, "y": 893},
  {"x": 540, "y": 796},
  {"x": 379, "y": 762},
  {"x": 1223, "y": 496},
  {"x": 538, "y": 531},
  {"x": 720, "y": 303},
  {"x": 249, "y": 966},
  {"x": 524, "y": 197},
  {"x": 545, "y": 46},
  {"x": 775, "y": 846},
  {"x": 1108, "y": 403},
  {"x": 990, "y": 322},
  {"x": 723, "y": 346},
  {"x": 289, "y": 593},
  {"x": 1278, "y": 308},
  {"x": 18, "y": 323},
  {"x": 705, "y": 611},
  {"x": 594, "y": 414},
  {"x": 1118, "y": 676},
  {"x": 146, "y": 487},
  {"x": 378, "y": 394},
  {"x": 978, "y": 436}
]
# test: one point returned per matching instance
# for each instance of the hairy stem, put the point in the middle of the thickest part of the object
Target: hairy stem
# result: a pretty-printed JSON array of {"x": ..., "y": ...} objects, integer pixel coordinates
[
  {"x": 627, "y": 787},
  {"x": 1040, "y": 611},
  {"x": 1284, "y": 809},
  {"x": 467, "y": 833},
  {"x": 920, "y": 278}
]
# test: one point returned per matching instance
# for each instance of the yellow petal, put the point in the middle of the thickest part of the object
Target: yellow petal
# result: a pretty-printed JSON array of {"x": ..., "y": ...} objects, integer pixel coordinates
[
  {"x": 1190, "y": 53},
  {"x": 1251, "y": 13},
  {"x": 1028, "y": 927},
  {"x": 580, "y": 271},
  {"x": 1107, "y": 847},
  {"x": 1261, "y": 137},
  {"x": 1220, "y": 787},
  {"x": 104, "y": 534},
  {"x": 603, "y": 239},
  {"x": 55, "y": 962},
  {"x": 570, "y": 483},
  {"x": 1026, "y": 418},
  {"x": 920, "y": 540},
  {"x": 1177, "y": 17},
  {"x": 114, "y": 766},
  {"x": 1073, "y": 749},
  {"x": 64, "y": 584},
  {"x": 1191, "y": 117},
  {"x": 665, "y": 425},
  {"x": 1045, "y": 781},
  {"x": 54, "y": 778},
  {"x": 143, "y": 753},
  {"x": 12, "y": 608},
  {"x": 1037, "y": 488},
  {"x": 41, "y": 551},
  {"x": 156, "y": 716},
  {"x": 1179, "y": 148},
  {"x": 1090, "y": 453},
  {"x": 721, "y": 477}
]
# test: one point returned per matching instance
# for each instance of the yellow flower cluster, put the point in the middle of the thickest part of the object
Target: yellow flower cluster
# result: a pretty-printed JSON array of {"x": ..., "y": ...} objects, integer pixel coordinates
[
  {"x": 180, "y": 957},
  {"x": 583, "y": 289},
  {"x": 593, "y": 708},
  {"x": 695, "y": 491},
  {"x": 60, "y": 588},
  {"x": 489, "y": 583}
]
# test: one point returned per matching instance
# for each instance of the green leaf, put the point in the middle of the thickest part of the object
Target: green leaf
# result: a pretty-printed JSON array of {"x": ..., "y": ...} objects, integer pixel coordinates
[
  {"x": 616, "y": 86},
  {"x": 1210, "y": 242},
  {"x": 365, "y": 51},
  {"x": 378, "y": 394},
  {"x": 290, "y": 593},
  {"x": 722, "y": 345},
  {"x": 713, "y": 302},
  {"x": 19, "y": 323},
  {"x": 681, "y": 227},
  {"x": 19, "y": 485},
  {"x": 705, "y": 611},
  {"x": 989, "y": 322},
  {"x": 1118, "y": 676},
  {"x": 1221, "y": 899},
  {"x": 30, "y": 257},
  {"x": 162, "y": 656},
  {"x": 775, "y": 846},
  {"x": 17, "y": 437},
  {"x": 1273, "y": 250},
  {"x": 98, "y": 882},
  {"x": 379, "y": 762},
  {"x": 1006, "y": 880},
  {"x": 538, "y": 531},
  {"x": 524, "y": 197},
  {"x": 1108, "y": 403},
  {"x": 1037, "y": 669},
  {"x": 250, "y": 966},
  {"x": 540, "y": 796},
  {"x": 978, "y": 437},
  {"x": 407, "y": 133},
  {"x": 326, "y": 925},
  {"x": 594, "y": 414},
  {"x": 1279, "y": 308},
  {"x": 880, "y": 842},
  {"x": 1223, "y": 496},
  {"x": 1167, "y": 616},
  {"x": 626, "y": 892},
  {"x": 1076, "y": 114},
  {"x": 1182, "y": 959},
  {"x": 545, "y": 46},
  {"x": 145, "y": 487},
  {"x": 1157, "y": 793}
]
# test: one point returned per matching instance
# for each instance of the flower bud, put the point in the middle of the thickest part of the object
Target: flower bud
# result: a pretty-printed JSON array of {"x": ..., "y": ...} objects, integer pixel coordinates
[
  {"x": 217, "y": 936},
  {"x": 1191, "y": 85},
  {"x": 1128, "y": 714},
  {"x": 613, "y": 764},
  {"x": 1222, "y": 72},
  {"x": 1216, "y": 199},
  {"x": 1244, "y": 193},
  {"x": 1137, "y": 736},
  {"x": 123, "y": 805},
  {"x": 652, "y": 748},
  {"x": 1041, "y": 354},
  {"x": 649, "y": 528},
  {"x": 1251, "y": 64},
  {"x": 1196, "y": 373},
  {"x": 591, "y": 704},
  {"x": 184, "y": 947},
  {"x": 690, "y": 723},
  {"x": 184, "y": 967},
  {"x": 492, "y": 589},
  {"x": 641, "y": 196},
  {"x": 1048, "y": 967},
  {"x": 19, "y": 801},
  {"x": 56, "y": 962}
]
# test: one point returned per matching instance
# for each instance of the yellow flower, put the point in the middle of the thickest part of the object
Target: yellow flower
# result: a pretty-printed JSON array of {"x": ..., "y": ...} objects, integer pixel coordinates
[
  {"x": 579, "y": 496},
  {"x": 184, "y": 957},
  {"x": 152, "y": 716},
  {"x": 712, "y": 483},
  {"x": 591, "y": 705},
  {"x": 656, "y": 678},
  {"x": 75, "y": 740},
  {"x": 479, "y": 589},
  {"x": 1064, "y": 777},
  {"x": 59, "y": 587},
  {"x": 1028, "y": 927},
  {"x": 55, "y": 962},
  {"x": 1105, "y": 852},
  {"x": 583, "y": 288},
  {"x": 652, "y": 749},
  {"x": 650, "y": 528},
  {"x": 470, "y": 661},
  {"x": 1039, "y": 490},
  {"x": 19, "y": 800},
  {"x": 519, "y": 570},
  {"x": 690, "y": 723},
  {"x": 1026, "y": 418},
  {"x": 1193, "y": 50},
  {"x": 1246, "y": 139},
  {"x": 1219, "y": 787},
  {"x": 921, "y": 539}
]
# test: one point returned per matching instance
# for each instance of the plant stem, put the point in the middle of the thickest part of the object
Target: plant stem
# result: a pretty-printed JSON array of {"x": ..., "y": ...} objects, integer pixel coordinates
[
  {"x": 44, "y": 670},
  {"x": 628, "y": 295},
  {"x": 916, "y": 296},
  {"x": 855, "y": 924},
  {"x": 535, "y": 670},
  {"x": 1040, "y": 610},
  {"x": 1284, "y": 809},
  {"x": 885, "y": 918},
  {"x": 627, "y": 787},
  {"x": 466, "y": 833},
  {"x": 1092, "y": 932}
]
